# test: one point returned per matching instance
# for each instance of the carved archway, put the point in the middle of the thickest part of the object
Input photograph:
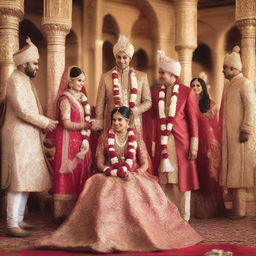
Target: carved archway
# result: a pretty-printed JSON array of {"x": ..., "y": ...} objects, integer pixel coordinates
[{"x": 108, "y": 57}]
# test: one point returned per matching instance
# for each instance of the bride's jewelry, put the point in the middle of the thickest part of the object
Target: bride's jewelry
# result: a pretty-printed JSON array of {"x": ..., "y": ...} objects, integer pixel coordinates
[{"x": 121, "y": 138}]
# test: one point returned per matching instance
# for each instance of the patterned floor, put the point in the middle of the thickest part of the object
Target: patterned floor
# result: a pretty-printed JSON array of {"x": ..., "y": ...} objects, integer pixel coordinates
[{"x": 218, "y": 230}]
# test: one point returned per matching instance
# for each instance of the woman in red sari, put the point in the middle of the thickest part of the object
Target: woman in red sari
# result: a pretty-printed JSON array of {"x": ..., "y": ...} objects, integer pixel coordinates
[
  {"x": 123, "y": 208},
  {"x": 208, "y": 201},
  {"x": 73, "y": 157}
]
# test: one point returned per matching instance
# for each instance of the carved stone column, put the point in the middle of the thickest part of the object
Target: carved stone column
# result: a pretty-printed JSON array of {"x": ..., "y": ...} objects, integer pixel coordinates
[
  {"x": 11, "y": 13},
  {"x": 246, "y": 23},
  {"x": 186, "y": 36},
  {"x": 56, "y": 25}
]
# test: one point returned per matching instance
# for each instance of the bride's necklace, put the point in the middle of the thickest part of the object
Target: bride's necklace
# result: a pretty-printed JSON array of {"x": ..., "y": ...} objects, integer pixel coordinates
[{"x": 121, "y": 139}]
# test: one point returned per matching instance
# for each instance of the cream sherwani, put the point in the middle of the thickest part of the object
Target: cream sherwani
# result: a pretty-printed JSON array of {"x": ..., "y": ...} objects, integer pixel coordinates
[
  {"x": 239, "y": 110},
  {"x": 23, "y": 165},
  {"x": 105, "y": 100},
  {"x": 238, "y": 159}
]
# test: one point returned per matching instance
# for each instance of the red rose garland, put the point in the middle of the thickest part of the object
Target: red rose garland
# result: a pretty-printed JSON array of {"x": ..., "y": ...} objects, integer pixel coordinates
[
  {"x": 117, "y": 91},
  {"x": 120, "y": 169},
  {"x": 167, "y": 123}
]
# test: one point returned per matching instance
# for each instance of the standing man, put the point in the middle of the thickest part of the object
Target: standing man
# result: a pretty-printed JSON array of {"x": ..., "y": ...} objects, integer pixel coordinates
[
  {"x": 122, "y": 86},
  {"x": 24, "y": 168},
  {"x": 238, "y": 133},
  {"x": 175, "y": 112}
]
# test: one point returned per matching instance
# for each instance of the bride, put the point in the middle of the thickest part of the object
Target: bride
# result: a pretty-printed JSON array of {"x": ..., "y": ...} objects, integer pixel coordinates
[{"x": 123, "y": 208}]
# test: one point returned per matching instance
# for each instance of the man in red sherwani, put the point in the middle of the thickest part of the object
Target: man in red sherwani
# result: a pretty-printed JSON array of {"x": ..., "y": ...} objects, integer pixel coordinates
[{"x": 176, "y": 135}]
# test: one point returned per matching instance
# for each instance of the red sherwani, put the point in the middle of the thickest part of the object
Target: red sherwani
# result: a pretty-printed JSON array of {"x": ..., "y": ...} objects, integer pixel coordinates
[{"x": 185, "y": 126}]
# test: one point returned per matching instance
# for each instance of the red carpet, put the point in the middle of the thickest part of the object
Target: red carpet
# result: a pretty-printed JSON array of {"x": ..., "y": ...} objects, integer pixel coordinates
[{"x": 196, "y": 250}]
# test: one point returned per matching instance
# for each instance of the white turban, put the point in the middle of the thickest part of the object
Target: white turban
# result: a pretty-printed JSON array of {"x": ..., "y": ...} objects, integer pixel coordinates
[
  {"x": 27, "y": 54},
  {"x": 233, "y": 59},
  {"x": 124, "y": 45},
  {"x": 169, "y": 64}
]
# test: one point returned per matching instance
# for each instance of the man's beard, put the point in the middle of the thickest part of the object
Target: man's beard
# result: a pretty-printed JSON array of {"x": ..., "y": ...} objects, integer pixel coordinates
[{"x": 29, "y": 72}]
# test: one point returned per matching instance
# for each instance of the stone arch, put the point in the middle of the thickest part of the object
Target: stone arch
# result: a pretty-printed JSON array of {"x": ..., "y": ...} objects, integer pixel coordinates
[
  {"x": 202, "y": 60},
  {"x": 148, "y": 11},
  {"x": 142, "y": 27},
  {"x": 110, "y": 32},
  {"x": 145, "y": 35},
  {"x": 29, "y": 29},
  {"x": 108, "y": 57},
  {"x": 140, "y": 60},
  {"x": 72, "y": 49},
  {"x": 233, "y": 37},
  {"x": 110, "y": 26}
]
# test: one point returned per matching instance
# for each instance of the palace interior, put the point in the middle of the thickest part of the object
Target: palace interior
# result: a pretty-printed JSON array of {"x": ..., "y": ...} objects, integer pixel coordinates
[{"x": 198, "y": 33}]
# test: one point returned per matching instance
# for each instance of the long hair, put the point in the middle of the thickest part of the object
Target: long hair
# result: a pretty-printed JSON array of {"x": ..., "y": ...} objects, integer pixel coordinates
[{"x": 204, "y": 101}]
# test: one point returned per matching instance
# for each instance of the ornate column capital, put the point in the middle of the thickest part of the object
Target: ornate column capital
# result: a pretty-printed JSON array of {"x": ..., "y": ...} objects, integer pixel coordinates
[
  {"x": 55, "y": 33},
  {"x": 247, "y": 27},
  {"x": 57, "y": 20},
  {"x": 14, "y": 8},
  {"x": 11, "y": 12}
]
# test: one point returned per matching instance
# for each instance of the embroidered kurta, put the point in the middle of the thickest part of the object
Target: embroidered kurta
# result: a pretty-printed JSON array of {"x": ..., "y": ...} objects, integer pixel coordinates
[
  {"x": 114, "y": 214},
  {"x": 238, "y": 114},
  {"x": 105, "y": 100},
  {"x": 23, "y": 164},
  {"x": 185, "y": 127}
]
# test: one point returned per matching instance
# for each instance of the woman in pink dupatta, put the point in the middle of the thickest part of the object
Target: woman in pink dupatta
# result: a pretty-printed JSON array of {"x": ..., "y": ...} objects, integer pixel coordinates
[
  {"x": 73, "y": 156},
  {"x": 123, "y": 208},
  {"x": 208, "y": 200}
]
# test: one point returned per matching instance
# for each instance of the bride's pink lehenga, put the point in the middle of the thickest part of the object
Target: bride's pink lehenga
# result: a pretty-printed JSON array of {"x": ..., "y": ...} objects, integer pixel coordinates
[{"x": 115, "y": 214}]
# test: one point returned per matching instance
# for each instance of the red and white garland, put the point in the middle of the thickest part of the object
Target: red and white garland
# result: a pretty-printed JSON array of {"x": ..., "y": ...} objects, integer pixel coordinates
[
  {"x": 117, "y": 89},
  {"x": 120, "y": 169},
  {"x": 167, "y": 123},
  {"x": 85, "y": 132}
]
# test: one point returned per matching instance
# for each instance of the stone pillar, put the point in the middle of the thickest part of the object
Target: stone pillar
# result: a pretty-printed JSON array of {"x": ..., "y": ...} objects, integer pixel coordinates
[
  {"x": 186, "y": 36},
  {"x": 218, "y": 54},
  {"x": 56, "y": 25},
  {"x": 11, "y": 13},
  {"x": 246, "y": 23}
]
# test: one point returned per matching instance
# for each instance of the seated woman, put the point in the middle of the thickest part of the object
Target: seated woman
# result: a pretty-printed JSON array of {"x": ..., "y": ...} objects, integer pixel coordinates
[
  {"x": 207, "y": 201},
  {"x": 123, "y": 208},
  {"x": 73, "y": 157}
]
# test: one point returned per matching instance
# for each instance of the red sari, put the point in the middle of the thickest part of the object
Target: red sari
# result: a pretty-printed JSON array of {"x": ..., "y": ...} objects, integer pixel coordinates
[
  {"x": 114, "y": 214},
  {"x": 70, "y": 172},
  {"x": 208, "y": 200}
]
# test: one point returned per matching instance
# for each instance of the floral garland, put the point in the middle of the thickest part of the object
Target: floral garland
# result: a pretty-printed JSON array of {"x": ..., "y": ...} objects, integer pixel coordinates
[
  {"x": 120, "y": 169},
  {"x": 117, "y": 89},
  {"x": 167, "y": 123},
  {"x": 87, "y": 116}
]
